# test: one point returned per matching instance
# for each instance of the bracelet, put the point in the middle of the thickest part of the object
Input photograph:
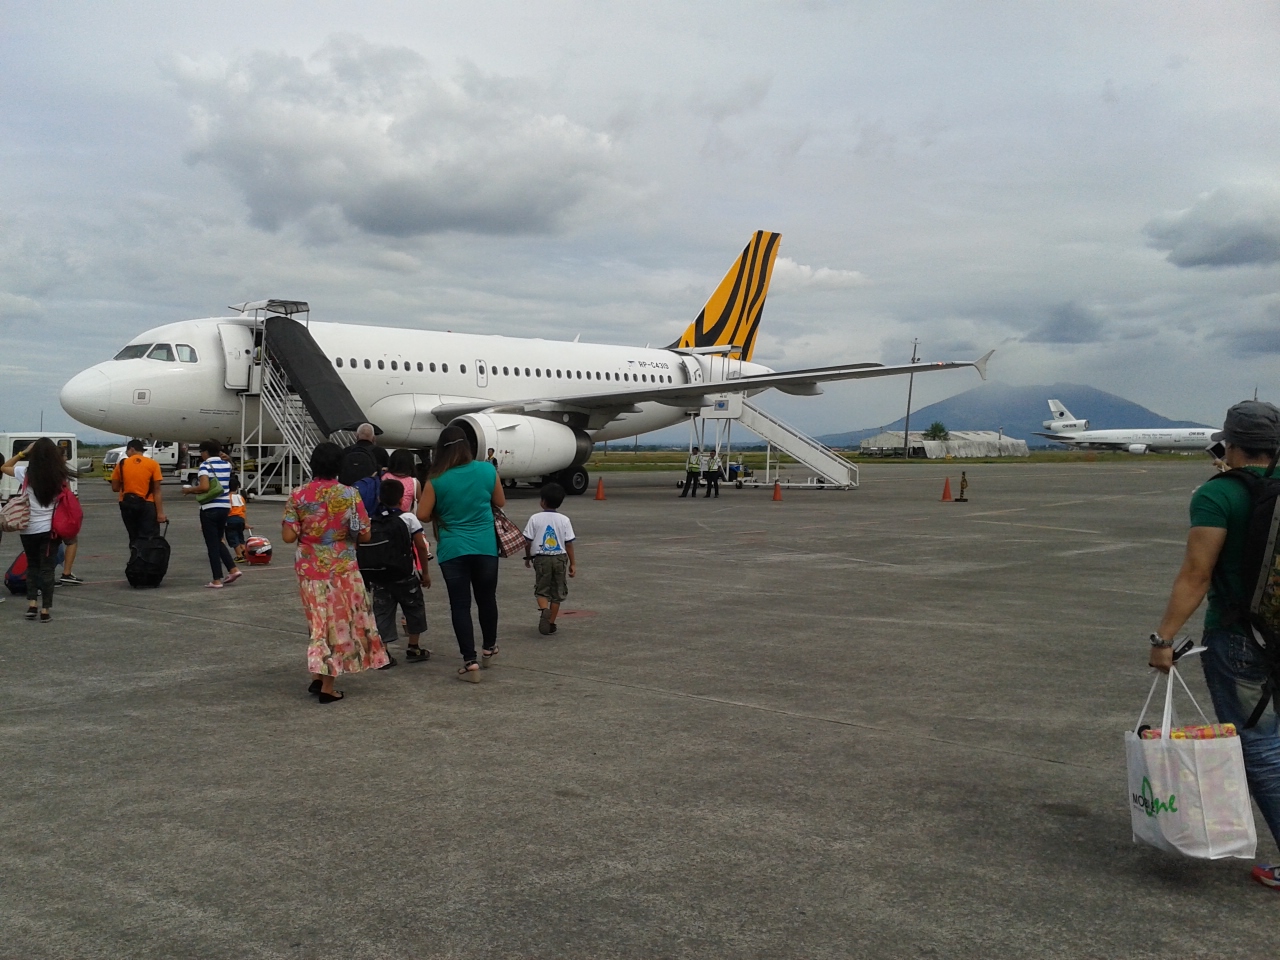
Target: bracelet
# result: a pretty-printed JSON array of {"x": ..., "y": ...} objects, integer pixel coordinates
[{"x": 1159, "y": 643}]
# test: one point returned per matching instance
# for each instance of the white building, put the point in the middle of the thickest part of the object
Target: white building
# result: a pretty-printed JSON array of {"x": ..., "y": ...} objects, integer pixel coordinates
[{"x": 963, "y": 443}]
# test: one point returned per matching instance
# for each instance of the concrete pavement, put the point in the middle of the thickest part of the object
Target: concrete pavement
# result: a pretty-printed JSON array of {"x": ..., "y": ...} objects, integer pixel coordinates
[{"x": 862, "y": 724}]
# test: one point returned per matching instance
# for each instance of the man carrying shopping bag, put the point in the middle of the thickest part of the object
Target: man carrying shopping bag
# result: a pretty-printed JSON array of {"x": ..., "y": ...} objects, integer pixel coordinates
[{"x": 1236, "y": 668}]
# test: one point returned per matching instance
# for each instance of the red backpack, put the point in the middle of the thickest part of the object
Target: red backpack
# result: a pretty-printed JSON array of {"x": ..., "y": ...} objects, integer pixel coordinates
[{"x": 68, "y": 516}]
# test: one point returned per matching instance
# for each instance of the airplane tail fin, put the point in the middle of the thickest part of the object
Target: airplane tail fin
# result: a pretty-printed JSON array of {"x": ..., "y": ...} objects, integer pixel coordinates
[
  {"x": 732, "y": 316},
  {"x": 1059, "y": 411}
]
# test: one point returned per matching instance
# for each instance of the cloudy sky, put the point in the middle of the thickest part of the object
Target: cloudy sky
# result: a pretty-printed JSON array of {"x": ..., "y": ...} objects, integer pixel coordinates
[{"x": 1091, "y": 189}]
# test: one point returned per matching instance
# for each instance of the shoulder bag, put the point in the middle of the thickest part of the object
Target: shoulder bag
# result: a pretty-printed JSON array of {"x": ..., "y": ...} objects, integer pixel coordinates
[
  {"x": 16, "y": 514},
  {"x": 510, "y": 537}
]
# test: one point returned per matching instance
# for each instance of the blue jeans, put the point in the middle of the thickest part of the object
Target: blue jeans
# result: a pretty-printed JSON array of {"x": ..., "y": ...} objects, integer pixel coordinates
[
  {"x": 463, "y": 575},
  {"x": 213, "y": 524},
  {"x": 1234, "y": 671}
]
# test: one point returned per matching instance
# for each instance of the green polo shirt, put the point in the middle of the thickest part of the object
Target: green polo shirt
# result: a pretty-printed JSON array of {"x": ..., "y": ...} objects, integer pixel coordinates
[{"x": 1224, "y": 503}]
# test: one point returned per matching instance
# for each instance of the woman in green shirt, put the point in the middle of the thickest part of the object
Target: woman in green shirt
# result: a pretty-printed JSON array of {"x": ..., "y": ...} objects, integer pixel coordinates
[{"x": 460, "y": 496}]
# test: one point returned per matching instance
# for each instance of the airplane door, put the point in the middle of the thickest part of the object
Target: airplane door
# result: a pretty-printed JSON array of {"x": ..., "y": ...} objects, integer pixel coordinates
[
  {"x": 237, "y": 353},
  {"x": 482, "y": 374}
]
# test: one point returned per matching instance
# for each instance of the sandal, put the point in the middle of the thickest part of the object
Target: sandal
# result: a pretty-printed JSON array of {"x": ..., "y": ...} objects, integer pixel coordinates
[
  {"x": 470, "y": 673},
  {"x": 486, "y": 657},
  {"x": 331, "y": 697},
  {"x": 416, "y": 654}
]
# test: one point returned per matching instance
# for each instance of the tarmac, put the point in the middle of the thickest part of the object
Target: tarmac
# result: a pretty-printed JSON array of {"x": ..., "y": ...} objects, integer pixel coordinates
[{"x": 849, "y": 724}]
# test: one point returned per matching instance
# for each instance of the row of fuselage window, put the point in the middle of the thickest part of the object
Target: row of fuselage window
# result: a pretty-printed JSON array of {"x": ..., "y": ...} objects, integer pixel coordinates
[{"x": 407, "y": 367}]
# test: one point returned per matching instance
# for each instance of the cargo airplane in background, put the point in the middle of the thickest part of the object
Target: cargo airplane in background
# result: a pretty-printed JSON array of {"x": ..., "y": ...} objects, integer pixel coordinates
[
  {"x": 540, "y": 404},
  {"x": 1064, "y": 428}
]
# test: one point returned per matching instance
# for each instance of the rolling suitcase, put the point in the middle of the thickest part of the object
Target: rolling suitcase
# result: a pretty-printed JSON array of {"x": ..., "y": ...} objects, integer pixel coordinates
[{"x": 148, "y": 560}]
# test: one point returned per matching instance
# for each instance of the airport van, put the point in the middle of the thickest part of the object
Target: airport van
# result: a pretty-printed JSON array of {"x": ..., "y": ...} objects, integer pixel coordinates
[{"x": 15, "y": 442}]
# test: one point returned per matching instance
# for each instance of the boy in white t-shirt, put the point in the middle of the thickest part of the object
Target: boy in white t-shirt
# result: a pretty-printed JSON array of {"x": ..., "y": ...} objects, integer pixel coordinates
[
  {"x": 548, "y": 547},
  {"x": 407, "y": 592}
]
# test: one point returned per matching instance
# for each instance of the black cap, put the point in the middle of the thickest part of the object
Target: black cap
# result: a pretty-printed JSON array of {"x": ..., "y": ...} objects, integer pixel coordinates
[
  {"x": 136, "y": 444},
  {"x": 1253, "y": 424}
]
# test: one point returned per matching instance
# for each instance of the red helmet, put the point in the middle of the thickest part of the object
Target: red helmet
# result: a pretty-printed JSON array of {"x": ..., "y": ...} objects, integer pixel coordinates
[{"x": 258, "y": 550}]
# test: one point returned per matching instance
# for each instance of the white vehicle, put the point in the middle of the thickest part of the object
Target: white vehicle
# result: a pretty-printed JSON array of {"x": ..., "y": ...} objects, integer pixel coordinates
[
  {"x": 12, "y": 443},
  {"x": 167, "y": 453},
  {"x": 1076, "y": 433},
  {"x": 112, "y": 457},
  {"x": 540, "y": 404}
]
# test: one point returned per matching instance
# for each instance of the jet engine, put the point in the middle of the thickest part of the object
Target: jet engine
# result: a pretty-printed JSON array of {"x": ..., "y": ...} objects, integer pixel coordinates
[
  {"x": 526, "y": 446},
  {"x": 1137, "y": 448},
  {"x": 1059, "y": 426}
]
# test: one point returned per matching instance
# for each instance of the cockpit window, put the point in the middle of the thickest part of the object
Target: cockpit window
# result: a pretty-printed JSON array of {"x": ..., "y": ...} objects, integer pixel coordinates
[
  {"x": 187, "y": 353},
  {"x": 161, "y": 351},
  {"x": 133, "y": 351}
]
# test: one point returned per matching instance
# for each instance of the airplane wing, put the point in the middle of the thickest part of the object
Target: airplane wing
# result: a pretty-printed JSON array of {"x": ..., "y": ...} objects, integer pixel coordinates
[{"x": 697, "y": 395}]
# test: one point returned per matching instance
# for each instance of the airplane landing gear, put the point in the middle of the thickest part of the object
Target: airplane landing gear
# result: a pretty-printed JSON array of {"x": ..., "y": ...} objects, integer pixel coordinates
[{"x": 575, "y": 481}]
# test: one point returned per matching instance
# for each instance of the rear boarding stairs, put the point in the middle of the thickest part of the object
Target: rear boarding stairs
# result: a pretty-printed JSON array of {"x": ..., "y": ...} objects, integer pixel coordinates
[{"x": 829, "y": 470}]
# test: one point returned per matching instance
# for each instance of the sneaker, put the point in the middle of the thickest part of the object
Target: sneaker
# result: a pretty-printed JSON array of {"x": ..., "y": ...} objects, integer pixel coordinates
[
  {"x": 551, "y": 628},
  {"x": 1268, "y": 876},
  {"x": 544, "y": 625},
  {"x": 69, "y": 580}
]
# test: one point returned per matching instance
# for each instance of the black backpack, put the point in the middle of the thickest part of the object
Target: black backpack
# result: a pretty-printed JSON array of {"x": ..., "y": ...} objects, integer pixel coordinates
[
  {"x": 358, "y": 462},
  {"x": 148, "y": 560},
  {"x": 388, "y": 556},
  {"x": 1258, "y": 611}
]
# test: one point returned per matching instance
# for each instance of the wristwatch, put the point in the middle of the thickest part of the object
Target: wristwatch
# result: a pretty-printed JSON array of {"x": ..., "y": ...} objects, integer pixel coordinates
[{"x": 1159, "y": 643}]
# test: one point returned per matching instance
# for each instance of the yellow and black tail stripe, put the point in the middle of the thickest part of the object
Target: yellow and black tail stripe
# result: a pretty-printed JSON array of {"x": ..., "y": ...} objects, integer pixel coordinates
[{"x": 732, "y": 315}]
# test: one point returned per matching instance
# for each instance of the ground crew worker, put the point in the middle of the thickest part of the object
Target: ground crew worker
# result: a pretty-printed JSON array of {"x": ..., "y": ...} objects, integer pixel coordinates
[
  {"x": 712, "y": 475},
  {"x": 691, "y": 471}
]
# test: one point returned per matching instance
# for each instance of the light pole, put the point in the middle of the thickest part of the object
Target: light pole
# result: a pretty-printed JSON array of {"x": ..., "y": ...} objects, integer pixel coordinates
[{"x": 906, "y": 424}]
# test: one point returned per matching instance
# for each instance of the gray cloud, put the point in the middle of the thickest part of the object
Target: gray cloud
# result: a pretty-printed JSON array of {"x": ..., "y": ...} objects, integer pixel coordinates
[
  {"x": 1257, "y": 339},
  {"x": 1068, "y": 323},
  {"x": 369, "y": 131},
  {"x": 1230, "y": 227}
]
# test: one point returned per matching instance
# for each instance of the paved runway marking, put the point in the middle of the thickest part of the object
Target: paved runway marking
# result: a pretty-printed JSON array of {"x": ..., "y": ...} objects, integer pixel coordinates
[
  {"x": 1040, "y": 526},
  {"x": 992, "y": 513}
]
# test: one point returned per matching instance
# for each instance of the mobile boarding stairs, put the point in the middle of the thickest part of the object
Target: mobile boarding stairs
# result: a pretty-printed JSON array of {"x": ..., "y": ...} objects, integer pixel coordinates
[
  {"x": 828, "y": 470},
  {"x": 277, "y": 363}
]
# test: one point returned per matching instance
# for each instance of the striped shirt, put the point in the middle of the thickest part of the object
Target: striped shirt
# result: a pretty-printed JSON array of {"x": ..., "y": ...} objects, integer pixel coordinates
[{"x": 217, "y": 467}]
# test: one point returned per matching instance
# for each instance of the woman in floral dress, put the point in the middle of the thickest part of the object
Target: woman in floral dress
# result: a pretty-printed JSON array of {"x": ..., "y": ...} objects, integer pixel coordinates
[{"x": 326, "y": 519}]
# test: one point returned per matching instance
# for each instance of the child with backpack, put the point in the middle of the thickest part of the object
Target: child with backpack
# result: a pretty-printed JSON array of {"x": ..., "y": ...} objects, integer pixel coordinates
[
  {"x": 394, "y": 565},
  {"x": 237, "y": 521},
  {"x": 548, "y": 548}
]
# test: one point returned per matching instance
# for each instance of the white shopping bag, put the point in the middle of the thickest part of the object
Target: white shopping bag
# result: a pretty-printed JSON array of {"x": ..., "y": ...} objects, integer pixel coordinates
[{"x": 1189, "y": 796}]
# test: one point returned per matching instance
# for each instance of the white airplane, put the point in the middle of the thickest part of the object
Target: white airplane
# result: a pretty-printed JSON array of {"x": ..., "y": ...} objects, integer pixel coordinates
[
  {"x": 1064, "y": 428},
  {"x": 540, "y": 404}
]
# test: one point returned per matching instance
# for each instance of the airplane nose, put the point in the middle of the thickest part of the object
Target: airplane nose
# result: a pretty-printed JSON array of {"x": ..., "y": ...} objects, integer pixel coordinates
[{"x": 85, "y": 397}]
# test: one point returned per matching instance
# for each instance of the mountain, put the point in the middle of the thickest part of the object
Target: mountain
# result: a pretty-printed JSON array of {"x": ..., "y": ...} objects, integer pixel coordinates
[{"x": 1021, "y": 411}]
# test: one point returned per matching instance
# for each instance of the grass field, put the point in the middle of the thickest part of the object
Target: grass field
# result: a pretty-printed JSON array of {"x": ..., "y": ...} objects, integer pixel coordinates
[{"x": 674, "y": 459}]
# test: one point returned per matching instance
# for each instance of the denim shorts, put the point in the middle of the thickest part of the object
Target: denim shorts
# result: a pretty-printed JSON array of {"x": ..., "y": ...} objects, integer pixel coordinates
[{"x": 551, "y": 577}]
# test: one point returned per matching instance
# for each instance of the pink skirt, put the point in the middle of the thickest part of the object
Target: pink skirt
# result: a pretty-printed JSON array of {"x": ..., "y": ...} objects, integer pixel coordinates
[{"x": 344, "y": 637}]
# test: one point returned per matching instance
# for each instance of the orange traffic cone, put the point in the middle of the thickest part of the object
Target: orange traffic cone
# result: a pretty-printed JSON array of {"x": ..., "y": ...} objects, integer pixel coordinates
[
  {"x": 946, "y": 492},
  {"x": 777, "y": 490},
  {"x": 600, "y": 489}
]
